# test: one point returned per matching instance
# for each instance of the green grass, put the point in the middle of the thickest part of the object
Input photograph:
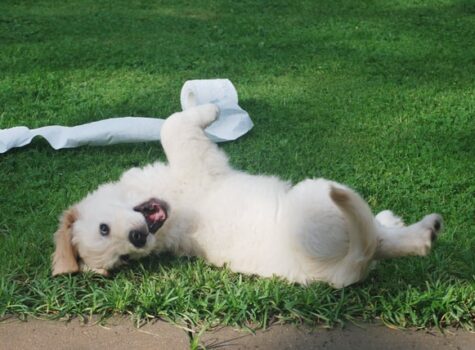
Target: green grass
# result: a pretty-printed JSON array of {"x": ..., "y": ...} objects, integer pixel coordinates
[{"x": 376, "y": 94}]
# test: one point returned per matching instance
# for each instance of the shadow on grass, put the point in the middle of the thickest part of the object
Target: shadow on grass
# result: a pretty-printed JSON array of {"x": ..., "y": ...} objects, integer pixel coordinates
[{"x": 412, "y": 44}]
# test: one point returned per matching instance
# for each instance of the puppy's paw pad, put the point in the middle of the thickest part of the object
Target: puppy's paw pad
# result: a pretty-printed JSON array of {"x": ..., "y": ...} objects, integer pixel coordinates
[
  {"x": 431, "y": 227},
  {"x": 388, "y": 219},
  {"x": 434, "y": 223}
]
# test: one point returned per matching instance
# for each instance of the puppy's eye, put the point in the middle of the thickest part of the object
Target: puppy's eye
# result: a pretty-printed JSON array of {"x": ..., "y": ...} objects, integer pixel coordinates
[{"x": 104, "y": 229}]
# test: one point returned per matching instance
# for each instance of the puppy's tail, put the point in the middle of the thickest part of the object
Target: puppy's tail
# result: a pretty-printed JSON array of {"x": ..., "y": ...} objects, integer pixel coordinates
[{"x": 360, "y": 225}]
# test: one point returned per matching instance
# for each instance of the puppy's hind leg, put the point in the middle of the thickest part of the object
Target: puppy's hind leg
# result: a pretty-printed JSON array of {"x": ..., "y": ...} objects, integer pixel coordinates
[
  {"x": 388, "y": 219},
  {"x": 188, "y": 149},
  {"x": 417, "y": 239}
]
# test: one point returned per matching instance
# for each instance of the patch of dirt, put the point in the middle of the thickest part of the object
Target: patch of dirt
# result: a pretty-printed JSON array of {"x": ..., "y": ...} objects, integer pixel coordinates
[{"x": 120, "y": 333}]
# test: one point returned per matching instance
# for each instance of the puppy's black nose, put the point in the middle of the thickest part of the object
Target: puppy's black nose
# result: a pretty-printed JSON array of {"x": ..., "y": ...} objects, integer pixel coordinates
[{"x": 138, "y": 238}]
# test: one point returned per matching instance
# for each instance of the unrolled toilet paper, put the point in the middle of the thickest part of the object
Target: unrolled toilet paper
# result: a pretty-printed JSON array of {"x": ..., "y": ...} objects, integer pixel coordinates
[{"x": 232, "y": 122}]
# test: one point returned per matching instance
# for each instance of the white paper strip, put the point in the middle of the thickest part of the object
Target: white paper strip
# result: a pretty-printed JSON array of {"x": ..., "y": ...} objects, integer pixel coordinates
[{"x": 232, "y": 122}]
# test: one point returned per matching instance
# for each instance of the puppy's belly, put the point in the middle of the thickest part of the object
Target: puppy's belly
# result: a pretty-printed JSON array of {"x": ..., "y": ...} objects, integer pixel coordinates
[{"x": 243, "y": 223}]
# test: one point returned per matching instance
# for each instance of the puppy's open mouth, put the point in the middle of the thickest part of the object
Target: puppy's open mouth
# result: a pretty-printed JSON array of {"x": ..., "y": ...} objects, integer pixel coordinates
[{"x": 155, "y": 212}]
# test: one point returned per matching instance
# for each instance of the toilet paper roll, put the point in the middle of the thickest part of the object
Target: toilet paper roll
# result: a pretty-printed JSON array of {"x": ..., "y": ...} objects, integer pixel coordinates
[
  {"x": 198, "y": 92},
  {"x": 232, "y": 122}
]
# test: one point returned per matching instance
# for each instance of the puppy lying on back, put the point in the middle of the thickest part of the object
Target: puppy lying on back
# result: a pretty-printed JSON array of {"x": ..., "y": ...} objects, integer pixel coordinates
[{"x": 197, "y": 205}]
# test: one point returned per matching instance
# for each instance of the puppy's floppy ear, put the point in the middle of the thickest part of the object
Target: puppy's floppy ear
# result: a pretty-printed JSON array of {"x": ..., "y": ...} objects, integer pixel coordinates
[{"x": 65, "y": 256}]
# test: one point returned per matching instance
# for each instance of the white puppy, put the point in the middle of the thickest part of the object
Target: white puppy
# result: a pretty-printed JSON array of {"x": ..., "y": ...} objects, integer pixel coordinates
[{"x": 197, "y": 205}]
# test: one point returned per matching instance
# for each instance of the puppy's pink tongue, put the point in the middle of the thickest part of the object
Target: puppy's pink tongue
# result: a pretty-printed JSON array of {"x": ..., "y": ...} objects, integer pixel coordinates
[{"x": 157, "y": 216}]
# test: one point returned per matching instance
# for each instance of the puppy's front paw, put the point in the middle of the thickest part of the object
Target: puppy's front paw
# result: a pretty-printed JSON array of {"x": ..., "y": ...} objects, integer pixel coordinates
[{"x": 206, "y": 114}]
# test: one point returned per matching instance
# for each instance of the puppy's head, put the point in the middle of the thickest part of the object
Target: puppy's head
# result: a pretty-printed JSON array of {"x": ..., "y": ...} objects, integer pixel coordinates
[{"x": 105, "y": 230}]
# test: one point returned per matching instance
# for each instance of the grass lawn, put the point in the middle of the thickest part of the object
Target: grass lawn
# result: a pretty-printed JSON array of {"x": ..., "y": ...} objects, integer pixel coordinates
[{"x": 379, "y": 95}]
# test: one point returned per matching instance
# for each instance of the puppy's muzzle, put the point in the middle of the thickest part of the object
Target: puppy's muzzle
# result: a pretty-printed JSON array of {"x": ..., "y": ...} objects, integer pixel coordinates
[{"x": 138, "y": 238}]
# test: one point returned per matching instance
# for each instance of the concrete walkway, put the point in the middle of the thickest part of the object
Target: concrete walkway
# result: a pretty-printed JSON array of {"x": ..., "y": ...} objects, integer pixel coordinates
[{"x": 120, "y": 333}]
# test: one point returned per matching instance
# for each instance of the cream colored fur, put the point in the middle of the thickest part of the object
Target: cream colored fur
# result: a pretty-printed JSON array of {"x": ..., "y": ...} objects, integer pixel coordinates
[{"x": 317, "y": 230}]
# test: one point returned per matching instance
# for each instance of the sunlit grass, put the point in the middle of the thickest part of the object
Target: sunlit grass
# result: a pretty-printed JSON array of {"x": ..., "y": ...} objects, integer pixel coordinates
[{"x": 378, "y": 95}]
